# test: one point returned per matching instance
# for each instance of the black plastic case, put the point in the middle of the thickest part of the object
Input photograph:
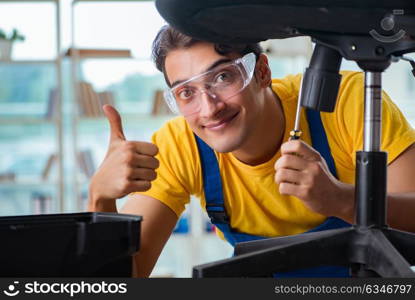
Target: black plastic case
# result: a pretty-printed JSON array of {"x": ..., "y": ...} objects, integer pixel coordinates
[{"x": 69, "y": 245}]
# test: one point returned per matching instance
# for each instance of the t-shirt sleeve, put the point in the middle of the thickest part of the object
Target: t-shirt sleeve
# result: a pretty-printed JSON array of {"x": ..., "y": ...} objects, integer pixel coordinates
[
  {"x": 175, "y": 175},
  {"x": 397, "y": 134}
]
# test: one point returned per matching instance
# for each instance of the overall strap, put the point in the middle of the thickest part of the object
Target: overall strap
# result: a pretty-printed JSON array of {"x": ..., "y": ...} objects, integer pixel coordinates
[
  {"x": 212, "y": 184},
  {"x": 319, "y": 138}
]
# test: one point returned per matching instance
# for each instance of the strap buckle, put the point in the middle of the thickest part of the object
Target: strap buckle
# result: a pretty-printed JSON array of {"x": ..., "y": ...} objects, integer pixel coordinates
[{"x": 218, "y": 217}]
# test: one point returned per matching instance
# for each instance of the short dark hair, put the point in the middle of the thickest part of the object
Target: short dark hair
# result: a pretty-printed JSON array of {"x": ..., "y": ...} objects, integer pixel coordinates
[{"x": 169, "y": 39}]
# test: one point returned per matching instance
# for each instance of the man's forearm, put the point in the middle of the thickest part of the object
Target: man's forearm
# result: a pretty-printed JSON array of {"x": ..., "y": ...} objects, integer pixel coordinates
[{"x": 400, "y": 209}]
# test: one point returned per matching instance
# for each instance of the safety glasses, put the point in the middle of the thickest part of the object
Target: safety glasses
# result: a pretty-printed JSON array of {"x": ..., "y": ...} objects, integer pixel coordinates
[{"x": 220, "y": 84}]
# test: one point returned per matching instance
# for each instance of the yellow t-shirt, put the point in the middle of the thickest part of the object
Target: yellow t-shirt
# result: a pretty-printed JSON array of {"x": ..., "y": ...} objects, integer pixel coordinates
[{"x": 251, "y": 196}]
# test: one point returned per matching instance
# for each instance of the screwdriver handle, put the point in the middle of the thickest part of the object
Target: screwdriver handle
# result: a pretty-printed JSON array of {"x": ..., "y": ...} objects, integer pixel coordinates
[{"x": 295, "y": 134}]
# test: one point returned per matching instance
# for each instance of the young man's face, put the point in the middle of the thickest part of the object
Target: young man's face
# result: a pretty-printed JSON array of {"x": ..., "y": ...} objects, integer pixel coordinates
[{"x": 223, "y": 124}]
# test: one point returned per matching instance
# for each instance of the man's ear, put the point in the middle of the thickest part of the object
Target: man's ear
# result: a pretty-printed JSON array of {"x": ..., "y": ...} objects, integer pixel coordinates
[{"x": 262, "y": 71}]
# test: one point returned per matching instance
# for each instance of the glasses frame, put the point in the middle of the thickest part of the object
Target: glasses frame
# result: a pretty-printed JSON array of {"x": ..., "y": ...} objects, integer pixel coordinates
[{"x": 246, "y": 64}]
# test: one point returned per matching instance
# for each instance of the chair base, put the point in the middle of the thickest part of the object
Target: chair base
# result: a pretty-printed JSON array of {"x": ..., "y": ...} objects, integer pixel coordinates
[{"x": 368, "y": 252}]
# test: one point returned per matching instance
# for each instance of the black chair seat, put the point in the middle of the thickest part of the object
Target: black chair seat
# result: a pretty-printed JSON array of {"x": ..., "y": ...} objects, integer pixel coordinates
[{"x": 241, "y": 21}]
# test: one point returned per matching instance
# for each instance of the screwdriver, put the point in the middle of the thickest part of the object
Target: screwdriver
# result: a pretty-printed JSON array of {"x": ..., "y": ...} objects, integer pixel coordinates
[{"x": 295, "y": 134}]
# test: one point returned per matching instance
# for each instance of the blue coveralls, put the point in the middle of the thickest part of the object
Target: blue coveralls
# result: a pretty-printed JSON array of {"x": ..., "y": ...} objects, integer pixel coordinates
[{"x": 212, "y": 186}]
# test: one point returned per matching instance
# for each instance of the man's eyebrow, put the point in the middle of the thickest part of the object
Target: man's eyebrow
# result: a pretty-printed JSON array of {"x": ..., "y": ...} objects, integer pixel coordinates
[{"x": 212, "y": 66}]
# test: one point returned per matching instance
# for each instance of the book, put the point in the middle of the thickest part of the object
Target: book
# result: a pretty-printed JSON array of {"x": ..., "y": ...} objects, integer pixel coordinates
[
  {"x": 86, "y": 163},
  {"x": 105, "y": 97},
  {"x": 52, "y": 107},
  {"x": 159, "y": 105},
  {"x": 86, "y": 99},
  {"x": 42, "y": 203},
  {"x": 91, "y": 53},
  {"x": 81, "y": 94},
  {"x": 90, "y": 102},
  {"x": 48, "y": 166},
  {"x": 7, "y": 177}
]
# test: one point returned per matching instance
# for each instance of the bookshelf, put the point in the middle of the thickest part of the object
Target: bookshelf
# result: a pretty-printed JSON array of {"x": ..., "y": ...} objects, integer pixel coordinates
[
  {"x": 88, "y": 123},
  {"x": 14, "y": 186}
]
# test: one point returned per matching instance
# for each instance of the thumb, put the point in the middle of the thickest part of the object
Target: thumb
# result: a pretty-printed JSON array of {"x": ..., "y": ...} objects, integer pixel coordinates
[{"x": 114, "y": 118}]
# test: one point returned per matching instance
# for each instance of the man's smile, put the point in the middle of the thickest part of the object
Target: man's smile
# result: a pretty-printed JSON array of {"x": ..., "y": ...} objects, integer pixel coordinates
[{"x": 220, "y": 124}]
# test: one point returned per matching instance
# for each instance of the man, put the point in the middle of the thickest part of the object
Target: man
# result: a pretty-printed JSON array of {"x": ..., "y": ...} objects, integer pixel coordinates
[{"x": 267, "y": 186}]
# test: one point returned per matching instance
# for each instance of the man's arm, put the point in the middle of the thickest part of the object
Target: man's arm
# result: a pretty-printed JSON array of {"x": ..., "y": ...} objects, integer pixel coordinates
[
  {"x": 128, "y": 167},
  {"x": 401, "y": 191},
  {"x": 157, "y": 225}
]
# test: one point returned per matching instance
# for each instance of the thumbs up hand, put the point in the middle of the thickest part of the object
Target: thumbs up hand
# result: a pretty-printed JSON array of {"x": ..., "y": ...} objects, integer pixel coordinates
[{"x": 129, "y": 166}]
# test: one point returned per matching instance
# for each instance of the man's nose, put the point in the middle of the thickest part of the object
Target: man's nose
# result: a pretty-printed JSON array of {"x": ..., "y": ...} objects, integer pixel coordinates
[{"x": 209, "y": 104}]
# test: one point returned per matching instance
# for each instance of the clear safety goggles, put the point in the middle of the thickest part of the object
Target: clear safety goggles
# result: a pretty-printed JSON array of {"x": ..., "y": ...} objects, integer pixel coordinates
[{"x": 220, "y": 83}]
